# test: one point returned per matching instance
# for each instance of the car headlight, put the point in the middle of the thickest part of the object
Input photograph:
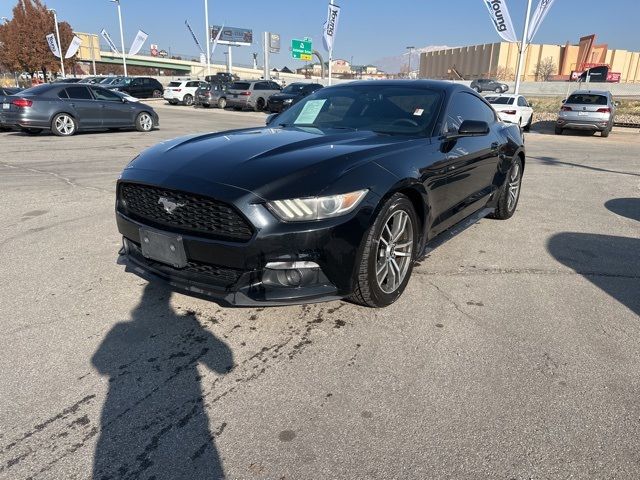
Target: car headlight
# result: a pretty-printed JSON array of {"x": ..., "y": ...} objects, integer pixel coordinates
[
  {"x": 316, "y": 208},
  {"x": 287, "y": 100}
]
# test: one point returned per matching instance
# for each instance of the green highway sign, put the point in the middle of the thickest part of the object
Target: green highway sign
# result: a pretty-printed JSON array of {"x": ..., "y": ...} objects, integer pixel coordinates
[{"x": 302, "y": 49}]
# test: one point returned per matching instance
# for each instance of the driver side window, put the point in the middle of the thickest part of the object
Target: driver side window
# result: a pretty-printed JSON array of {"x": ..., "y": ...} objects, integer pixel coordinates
[{"x": 466, "y": 106}]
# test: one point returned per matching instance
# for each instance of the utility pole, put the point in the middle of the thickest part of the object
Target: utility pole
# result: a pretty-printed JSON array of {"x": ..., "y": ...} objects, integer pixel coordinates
[
  {"x": 208, "y": 37},
  {"x": 411, "y": 49},
  {"x": 330, "y": 53},
  {"x": 229, "y": 59},
  {"x": 265, "y": 45},
  {"x": 124, "y": 57},
  {"x": 55, "y": 20},
  {"x": 523, "y": 48}
]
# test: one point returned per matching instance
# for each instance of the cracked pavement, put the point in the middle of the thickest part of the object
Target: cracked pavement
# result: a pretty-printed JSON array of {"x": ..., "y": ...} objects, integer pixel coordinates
[{"x": 513, "y": 353}]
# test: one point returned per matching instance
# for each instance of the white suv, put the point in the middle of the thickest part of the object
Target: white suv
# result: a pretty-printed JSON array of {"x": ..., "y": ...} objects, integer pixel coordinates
[{"x": 182, "y": 91}]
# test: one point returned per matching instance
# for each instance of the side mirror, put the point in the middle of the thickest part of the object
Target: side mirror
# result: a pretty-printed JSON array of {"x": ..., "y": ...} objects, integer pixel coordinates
[
  {"x": 270, "y": 118},
  {"x": 473, "y": 128}
]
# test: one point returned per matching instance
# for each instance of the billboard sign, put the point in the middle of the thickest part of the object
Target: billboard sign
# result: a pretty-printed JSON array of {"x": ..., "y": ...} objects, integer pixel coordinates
[
  {"x": 274, "y": 42},
  {"x": 232, "y": 35}
]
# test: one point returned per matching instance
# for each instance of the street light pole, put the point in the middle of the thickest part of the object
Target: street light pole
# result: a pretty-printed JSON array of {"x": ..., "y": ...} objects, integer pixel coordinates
[
  {"x": 411, "y": 49},
  {"x": 208, "y": 35},
  {"x": 124, "y": 57},
  {"x": 523, "y": 47},
  {"x": 55, "y": 20}
]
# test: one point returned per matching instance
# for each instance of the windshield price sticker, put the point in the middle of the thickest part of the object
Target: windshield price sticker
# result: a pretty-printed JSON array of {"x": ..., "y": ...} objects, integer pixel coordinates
[{"x": 310, "y": 111}]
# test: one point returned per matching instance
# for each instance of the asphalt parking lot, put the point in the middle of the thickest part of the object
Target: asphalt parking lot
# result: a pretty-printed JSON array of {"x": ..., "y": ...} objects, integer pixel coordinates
[{"x": 514, "y": 352}]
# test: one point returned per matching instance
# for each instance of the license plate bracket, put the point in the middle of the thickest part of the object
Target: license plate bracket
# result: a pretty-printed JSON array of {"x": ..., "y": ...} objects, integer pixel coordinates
[
  {"x": 163, "y": 247},
  {"x": 6, "y": 106}
]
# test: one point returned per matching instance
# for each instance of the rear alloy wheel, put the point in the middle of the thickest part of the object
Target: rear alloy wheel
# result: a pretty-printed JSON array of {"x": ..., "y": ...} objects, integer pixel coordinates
[
  {"x": 388, "y": 253},
  {"x": 605, "y": 133},
  {"x": 144, "y": 122},
  {"x": 63, "y": 125},
  {"x": 260, "y": 104},
  {"x": 222, "y": 103},
  {"x": 188, "y": 100},
  {"x": 509, "y": 193},
  {"x": 498, "y": 90},
  {"x": 157, "y": 94}
]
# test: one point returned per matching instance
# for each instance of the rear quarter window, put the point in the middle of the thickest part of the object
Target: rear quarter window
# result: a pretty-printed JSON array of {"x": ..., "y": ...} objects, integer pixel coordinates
[
  {"x": 240, "y": 86},
  {"x": 175, "y": 84}
]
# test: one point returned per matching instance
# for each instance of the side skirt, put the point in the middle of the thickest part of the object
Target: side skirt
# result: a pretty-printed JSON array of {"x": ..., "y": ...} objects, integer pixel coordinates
[{"x": 455, "y": 230}]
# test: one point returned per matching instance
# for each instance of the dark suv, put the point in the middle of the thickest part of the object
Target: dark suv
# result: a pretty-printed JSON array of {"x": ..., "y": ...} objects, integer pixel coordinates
[
  {"x": 488, "y": 85},
  {"x": 140, "y": 87}
]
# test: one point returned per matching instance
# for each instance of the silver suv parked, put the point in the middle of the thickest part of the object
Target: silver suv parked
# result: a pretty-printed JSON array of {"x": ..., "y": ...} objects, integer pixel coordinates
[
  {"x": 587, "y": 110},
  {"x": 251, "y": 94}
]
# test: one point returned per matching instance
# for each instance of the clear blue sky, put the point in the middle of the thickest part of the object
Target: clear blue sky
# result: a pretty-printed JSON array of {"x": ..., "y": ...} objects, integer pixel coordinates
[{"x": 368, "y": 30}]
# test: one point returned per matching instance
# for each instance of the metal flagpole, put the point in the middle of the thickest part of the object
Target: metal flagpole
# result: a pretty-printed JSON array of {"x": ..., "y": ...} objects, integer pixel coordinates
[
  {"x": 124, "y": 58},
  {"x": 265, "y": 46},
  {"x": 523, "y": 48},
  {"x": 55, "y": 19},
  {"x": 208, "y": 37},
  {"x": 330, "y": 53}
]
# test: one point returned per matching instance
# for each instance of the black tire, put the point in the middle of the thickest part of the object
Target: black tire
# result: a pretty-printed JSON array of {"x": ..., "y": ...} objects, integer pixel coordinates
[
  {"x": 558, "y": 130},
  {"x": 144, "y": 122},
  {"x": 368, "y": 292},
  {"x": 31, "y": 131},
  {"x": 260, "y": 104},
  {"x": 506, "y": 208},
  {"x": 605, "y": 133},
  {"x": 527, "y": 127},
  {"x": 64, "y": 125},
  {"x": 222, "y": 103}
]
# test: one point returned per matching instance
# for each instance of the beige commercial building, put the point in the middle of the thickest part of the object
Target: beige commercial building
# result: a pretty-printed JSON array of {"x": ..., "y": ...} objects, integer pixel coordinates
[{"x": 499, "y": 60}]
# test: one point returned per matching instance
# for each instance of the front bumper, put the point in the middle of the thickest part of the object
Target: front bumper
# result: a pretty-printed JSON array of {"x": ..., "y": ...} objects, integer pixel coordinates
[{"x": 235, "y": 273}]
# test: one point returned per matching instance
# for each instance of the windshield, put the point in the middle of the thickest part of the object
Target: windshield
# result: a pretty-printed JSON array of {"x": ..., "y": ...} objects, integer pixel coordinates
[
  {"x": 389, "y": 109},
  {"x": 500, "y": 100},
  {"x": 587, "y": 99},
  {"x": 294, "y": 88}
]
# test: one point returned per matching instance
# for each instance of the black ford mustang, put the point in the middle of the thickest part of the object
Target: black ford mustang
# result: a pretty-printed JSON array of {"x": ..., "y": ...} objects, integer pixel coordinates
[{"x": 334, "y": 198}]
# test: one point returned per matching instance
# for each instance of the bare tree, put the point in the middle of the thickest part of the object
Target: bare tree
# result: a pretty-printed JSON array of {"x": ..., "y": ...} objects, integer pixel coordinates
[
  {"x": 545, "y": 69},
  {"x": 504, "y": 73}
]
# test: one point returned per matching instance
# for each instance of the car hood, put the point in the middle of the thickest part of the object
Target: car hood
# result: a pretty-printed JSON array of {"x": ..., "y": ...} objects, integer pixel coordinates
[{"x": 268, "y": 162}]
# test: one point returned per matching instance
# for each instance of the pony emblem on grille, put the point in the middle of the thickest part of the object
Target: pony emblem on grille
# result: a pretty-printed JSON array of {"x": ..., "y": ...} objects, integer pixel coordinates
[{"x": 169, "y": 205}]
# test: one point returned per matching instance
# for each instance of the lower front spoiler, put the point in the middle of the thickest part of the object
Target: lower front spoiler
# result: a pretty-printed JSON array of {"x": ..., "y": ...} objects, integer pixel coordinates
[{"x": 249, "y": 295}]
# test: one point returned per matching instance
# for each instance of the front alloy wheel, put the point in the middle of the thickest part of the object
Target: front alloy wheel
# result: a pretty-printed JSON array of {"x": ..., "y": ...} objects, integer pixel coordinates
[
  {"x": 144, "y": 122},
  {"x": 388, "y": 254},
  {"x": 63, "y": 125},
  {"x": 395, "y": 245}
]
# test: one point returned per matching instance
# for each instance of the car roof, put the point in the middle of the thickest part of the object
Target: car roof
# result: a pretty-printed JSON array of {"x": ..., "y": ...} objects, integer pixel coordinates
[
  {"x": 445, "y": 85},
  {"x": 507, "y": 95},
  {"x": 591, "y": 92}
]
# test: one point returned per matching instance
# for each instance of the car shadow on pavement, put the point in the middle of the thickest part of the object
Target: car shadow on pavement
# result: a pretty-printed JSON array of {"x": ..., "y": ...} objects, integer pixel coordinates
[
  {"x": 555, "y": 162},
  {"x": 609, "y": 262},
  {"x": 154, "y": 423},
  {"x": 547, "y": 127},
  {"x": 626, "y": 207}
]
